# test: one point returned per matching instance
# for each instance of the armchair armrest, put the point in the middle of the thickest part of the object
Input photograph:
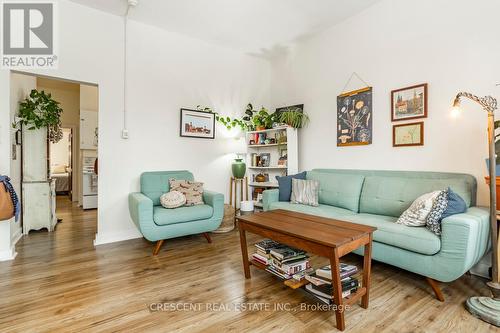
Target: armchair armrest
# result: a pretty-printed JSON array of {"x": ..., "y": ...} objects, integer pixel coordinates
[
  {"x": 141, "y": 212},
  {"x": 216, "y": 200},
  {"x": 268, "y": 197}
]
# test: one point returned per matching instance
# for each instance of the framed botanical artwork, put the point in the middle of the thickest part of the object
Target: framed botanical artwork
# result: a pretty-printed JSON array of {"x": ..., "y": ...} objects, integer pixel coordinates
[
  {"x": 411, "y": 134},
  {"x": 197, "y": 124},
  {"x": 354, "y": 118},
  {"x": 409, "y": 103}
]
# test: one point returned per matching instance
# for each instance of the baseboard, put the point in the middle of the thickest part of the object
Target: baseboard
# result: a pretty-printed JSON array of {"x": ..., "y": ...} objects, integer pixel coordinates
[
  {"x": 106, "y": 238},
  {"x": 9, "y": 254}
]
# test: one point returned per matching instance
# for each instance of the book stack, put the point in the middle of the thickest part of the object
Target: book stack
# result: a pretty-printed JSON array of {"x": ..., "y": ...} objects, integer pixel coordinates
[
  {"x": 287, "y": 261},
  {"x": 263, "y": 248},
  {"x": 281, "y": 260},
  {"x": 320, "y": 285}
]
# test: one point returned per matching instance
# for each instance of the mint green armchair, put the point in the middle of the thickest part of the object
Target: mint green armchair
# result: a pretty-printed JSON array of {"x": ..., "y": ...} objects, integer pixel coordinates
[{"x": 157, "y": 223}]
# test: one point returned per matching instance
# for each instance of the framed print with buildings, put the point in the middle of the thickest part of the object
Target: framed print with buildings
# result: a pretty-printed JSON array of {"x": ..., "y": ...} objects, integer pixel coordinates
[
  {"x": 197, "y": 124},
  {"x": 409, "y": 103}
]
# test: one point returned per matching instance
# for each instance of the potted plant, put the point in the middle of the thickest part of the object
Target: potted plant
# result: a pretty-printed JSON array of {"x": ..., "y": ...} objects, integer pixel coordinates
[
  {"x": 38, "y": 111},
  {"x": 262, "y": 119},
  {"x": 252, "y": 119},
  {"x": 294, "y": 118}
]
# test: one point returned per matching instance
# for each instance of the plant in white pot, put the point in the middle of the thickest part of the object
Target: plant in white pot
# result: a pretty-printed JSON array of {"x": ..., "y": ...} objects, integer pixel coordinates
[{"x": 38, "y": 111}]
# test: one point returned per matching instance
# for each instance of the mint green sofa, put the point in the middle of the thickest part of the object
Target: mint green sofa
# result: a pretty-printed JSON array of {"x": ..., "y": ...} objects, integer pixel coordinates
[
  {"x": 377, "y": 198},
  {"x": 157, "y": 223}
]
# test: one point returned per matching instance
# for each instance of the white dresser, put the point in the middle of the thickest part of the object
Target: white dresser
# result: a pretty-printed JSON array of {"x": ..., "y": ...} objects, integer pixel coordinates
[
  {"x": 38, "y": 191},
  {"x": 39, "y": 206}
]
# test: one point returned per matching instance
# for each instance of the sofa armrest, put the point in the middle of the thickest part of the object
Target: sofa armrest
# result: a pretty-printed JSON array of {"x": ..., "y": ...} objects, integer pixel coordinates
[
  {"x": 465, "y": 238},
  {"x": 216, "y": 200},
  {"x": 268, "y": 197},
  {"x": 141, "y": 211}
]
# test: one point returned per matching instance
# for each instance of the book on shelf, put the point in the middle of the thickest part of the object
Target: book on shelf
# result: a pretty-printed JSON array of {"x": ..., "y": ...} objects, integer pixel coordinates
[
  {"x": 291, "y": 267},
  {"x": 347, "y": 284},
  {"x": 284, "y": 253},
  {"x": 345, "y": 271},
  {"x": 260, "y": 259},
  {"x": 327, "y": 298},
  {"x": 319, "y": 280},
  {"x": 302, "y": 275},
  {"x": 271, "y": 269},
  {"x": 267, "y": 244}
]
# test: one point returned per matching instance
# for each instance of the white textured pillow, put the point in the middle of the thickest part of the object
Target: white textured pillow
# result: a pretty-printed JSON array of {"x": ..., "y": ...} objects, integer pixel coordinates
[
  {"x": 305, "y": 192},
  {"x": 173, "y": 199},
  {"x": 416, "y": 214}
]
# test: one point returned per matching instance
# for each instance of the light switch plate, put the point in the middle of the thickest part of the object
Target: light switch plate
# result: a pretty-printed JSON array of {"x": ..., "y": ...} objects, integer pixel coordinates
[{"x": 124, "y": 134}]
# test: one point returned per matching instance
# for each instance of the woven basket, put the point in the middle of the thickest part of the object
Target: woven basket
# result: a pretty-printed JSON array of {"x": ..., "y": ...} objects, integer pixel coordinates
[{"x": 227, "y": 221}]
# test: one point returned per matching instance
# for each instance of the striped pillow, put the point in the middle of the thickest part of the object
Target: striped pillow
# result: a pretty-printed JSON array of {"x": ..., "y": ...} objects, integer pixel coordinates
[{"x": 305, "y": 192}]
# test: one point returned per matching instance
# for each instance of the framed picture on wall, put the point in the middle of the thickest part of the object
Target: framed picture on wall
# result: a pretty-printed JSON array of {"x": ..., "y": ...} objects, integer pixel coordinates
[
  {"x": 197, "y": 124},
  {"x": 411, "y": 134},
  {"x": 354, "y": 118},
  {"x": 409, "y": 103}
]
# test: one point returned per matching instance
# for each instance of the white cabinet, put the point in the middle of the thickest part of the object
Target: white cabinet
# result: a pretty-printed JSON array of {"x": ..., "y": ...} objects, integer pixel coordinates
[
  {"x": 88, "y": 129},
  {"x": 39, "y": 206},
  {"x": 35, "y": 154}
]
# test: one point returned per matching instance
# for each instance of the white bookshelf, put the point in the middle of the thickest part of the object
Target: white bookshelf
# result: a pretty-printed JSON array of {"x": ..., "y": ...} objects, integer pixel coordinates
[{"x": 274, "y": 150}]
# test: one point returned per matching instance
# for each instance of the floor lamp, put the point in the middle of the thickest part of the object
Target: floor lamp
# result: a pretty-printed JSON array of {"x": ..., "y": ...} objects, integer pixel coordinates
[{"x": 488, "y": 308}]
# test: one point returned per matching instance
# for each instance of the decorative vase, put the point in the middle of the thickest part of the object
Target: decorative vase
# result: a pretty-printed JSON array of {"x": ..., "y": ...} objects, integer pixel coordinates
[
  {"x": 239, "y": 168},
  {"x": 260, "y": 178}
]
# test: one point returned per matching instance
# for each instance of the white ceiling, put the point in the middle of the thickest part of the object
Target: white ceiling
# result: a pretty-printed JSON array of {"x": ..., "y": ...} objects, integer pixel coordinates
[{"x": 257, "y": 26}]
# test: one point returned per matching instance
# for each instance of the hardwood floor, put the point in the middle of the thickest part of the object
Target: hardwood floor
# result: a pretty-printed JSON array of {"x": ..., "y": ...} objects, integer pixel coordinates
[{"x": 60, "y": 282}]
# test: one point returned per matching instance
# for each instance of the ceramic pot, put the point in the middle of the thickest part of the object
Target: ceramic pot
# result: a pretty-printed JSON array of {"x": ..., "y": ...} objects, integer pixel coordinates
[
  {"x": 260, "y": 178},
  {"x": 238, "y": 168}
]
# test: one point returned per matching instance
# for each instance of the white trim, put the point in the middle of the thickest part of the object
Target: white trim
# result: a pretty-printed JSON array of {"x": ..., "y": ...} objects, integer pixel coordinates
[
  {"x": 16, "y": 237},
  {"x": 106, "y": 238},
  {"x": 8, "y": 254}
]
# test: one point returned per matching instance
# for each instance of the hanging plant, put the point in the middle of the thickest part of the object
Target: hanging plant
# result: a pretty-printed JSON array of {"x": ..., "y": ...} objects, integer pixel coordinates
[
  {"x": 40, "y": 110},
  {"x": 250, "y": 121},
  {"x": 294, "y": 118}
]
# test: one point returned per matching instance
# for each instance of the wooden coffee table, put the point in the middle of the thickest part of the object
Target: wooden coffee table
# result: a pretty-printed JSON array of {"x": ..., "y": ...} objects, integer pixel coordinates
[{"x": 322, "y": 236}]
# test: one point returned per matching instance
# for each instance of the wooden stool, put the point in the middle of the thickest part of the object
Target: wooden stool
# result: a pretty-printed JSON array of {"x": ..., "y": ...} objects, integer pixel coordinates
[{"x": 233, "y": 182}]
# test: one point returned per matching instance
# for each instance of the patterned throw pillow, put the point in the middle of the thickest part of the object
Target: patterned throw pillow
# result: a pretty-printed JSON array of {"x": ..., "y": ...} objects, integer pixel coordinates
[
  {"x": 172, "y": 199},
  {"x": 433, "y": 222},
  {"x": 305, "y": 192},
  {"x": 416, "y": 215},
  {"x": 192, "y": 190}
]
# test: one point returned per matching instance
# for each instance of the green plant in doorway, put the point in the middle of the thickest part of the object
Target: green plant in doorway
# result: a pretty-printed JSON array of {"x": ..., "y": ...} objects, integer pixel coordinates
[{"x": 41, "y": 110}]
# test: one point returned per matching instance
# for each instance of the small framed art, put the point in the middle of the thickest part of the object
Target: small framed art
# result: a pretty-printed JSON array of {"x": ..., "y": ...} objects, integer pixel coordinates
[
  {"x": 405, "y": 135},
  {"x": 409, "y": 103},
  {"x": 197, "y": 124}
]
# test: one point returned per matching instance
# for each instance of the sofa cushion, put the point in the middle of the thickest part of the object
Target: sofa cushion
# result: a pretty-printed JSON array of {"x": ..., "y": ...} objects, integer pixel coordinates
[
  {"x": 154, "y": 184},
  {"x": 163, "y": 216},
  {"x": 321, "y": 210},
  {"x": 285, "y": 185},
  {"x": 340, "y": 190},
  {"x": 415, "y": 239},
  {"x": 385, "y": 195}
]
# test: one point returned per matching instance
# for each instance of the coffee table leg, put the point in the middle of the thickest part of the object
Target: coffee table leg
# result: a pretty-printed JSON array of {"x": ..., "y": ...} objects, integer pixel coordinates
[
  {"x": 337, "y": 290},
  {"x": 367, "y": 266},
  {"x": 244, "y": 251}
]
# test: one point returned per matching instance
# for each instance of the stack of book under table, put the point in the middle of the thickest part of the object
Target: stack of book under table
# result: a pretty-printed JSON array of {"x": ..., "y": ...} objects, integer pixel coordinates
[{"x": 294, "y": 267}]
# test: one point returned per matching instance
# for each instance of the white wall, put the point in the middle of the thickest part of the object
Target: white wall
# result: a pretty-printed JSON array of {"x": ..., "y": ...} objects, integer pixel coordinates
[
  {"x": 20, "y": 88},
  {"x": 59, "y": 152},
  {"x": 451, "y": 45},
  {"x": 167, "y": 72}
]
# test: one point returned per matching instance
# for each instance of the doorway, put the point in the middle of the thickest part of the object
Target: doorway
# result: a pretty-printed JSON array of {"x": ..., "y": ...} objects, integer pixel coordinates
[
  {"x": 63, "y": 177},
  {"x": 61, "y": 163}
]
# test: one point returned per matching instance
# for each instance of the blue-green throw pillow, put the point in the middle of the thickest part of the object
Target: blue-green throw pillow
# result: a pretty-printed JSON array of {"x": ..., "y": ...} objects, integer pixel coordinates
[
  {"x": 456, "y": 204},
  {"x": 285, "y": 184}
]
